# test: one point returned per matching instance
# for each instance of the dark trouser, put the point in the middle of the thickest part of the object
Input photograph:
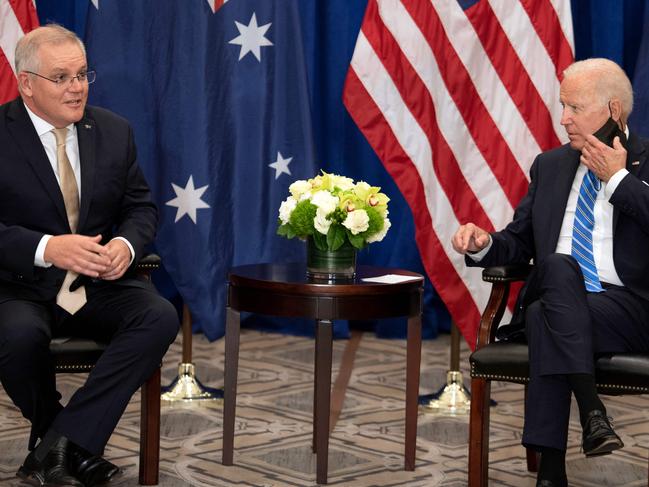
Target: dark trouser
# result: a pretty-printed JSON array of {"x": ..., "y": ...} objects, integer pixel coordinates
[
  {"x": 566, "y": 327},
  {"x": 139, "y": 326}
]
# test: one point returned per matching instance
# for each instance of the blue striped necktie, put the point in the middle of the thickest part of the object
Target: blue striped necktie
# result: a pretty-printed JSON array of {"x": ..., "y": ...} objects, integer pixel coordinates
[{"x": 582, "y": 231}]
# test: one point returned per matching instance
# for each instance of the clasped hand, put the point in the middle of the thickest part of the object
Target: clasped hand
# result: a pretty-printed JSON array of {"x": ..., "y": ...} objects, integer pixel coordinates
[
  {"x": 85, "y": 255},
  {"x": 603, "y": 160}
]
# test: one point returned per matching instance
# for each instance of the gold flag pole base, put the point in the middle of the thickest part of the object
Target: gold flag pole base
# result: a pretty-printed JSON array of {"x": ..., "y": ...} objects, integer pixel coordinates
[
  {"x": 450, "y": 400},
  {"x": 187, "y": 388}
]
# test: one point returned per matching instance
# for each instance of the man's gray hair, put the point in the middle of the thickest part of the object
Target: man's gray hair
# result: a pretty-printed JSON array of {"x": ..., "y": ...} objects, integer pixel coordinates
[
  {"x": 610, "y": 81},
  {"x": 27, "y": 48}
]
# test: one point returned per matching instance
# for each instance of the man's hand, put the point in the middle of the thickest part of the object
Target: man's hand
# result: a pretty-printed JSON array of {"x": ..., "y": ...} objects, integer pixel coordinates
[
  {"x": 78, "y": 253},
  {"x": 470, "y": 238},
  {"x": 120, "y": 258},
  {"x": 603, "y": 160}
]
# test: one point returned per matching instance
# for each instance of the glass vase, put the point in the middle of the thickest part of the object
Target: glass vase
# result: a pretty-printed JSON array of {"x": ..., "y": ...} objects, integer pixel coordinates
[{"x": 330, "y": 265}]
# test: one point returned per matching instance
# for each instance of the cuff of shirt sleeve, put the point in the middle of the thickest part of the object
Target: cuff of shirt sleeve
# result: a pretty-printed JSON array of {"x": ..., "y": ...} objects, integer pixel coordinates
[
  {"x": 612, "y": 184},
  {"x": 477, "y": 256},
  {"x": 130, "y": 248},
  {"x": 39, "y": 256}
]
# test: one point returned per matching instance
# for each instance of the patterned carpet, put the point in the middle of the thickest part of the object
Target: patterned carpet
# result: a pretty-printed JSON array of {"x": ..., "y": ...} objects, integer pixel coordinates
[{"x": 273, "y": 427}]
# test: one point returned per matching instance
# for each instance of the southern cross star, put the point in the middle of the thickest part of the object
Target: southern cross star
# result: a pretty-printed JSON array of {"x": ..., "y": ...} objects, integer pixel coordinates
[
  {"x": 281, "y": 165},
  {"x": 251, "y": 37}
]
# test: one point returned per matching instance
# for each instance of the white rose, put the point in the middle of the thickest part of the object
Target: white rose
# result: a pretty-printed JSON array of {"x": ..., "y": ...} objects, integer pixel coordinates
[
  {"x": 325, "y": 201},
  {"x": 320, "y": 222},
  {"x": 357, "y": 221},
  {"x": 286, "y": 208},
  {"x": 342, "y": 182},
  {"x": 377, "y": 237},
  {"x": 298, "y": 188}
]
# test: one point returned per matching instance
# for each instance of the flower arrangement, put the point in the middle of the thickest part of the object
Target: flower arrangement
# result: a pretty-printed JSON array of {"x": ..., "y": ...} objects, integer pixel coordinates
[{"x": 334, "y": 211}]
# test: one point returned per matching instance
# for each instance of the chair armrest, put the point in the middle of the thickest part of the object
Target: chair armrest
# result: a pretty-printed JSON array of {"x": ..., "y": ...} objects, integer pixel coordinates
[
  {"x": 147, "y": 264},
  {"x": 501, "y": 278},
  {"x": 506, "y": 273}
]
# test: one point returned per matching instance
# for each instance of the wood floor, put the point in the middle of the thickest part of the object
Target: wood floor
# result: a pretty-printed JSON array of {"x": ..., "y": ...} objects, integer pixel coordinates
[{"x": 273, "y": 427}]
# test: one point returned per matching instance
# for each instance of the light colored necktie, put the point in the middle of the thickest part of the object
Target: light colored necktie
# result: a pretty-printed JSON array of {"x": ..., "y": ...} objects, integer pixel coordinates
[
  {"x": 69, "y": 301},
  {"x": 582, "y": 232}
]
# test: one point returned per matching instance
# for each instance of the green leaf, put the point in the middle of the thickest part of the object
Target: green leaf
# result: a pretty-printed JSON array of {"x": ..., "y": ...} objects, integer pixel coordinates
[
  {"x": 320, "y": 240},
  {"x": 284, "y": 230},
  {"x": 336, "y": 237},
  {"x": 356, "y": 240}
]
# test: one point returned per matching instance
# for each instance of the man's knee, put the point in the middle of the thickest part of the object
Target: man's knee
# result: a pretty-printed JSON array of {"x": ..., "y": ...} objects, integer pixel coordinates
[
  {"x": 557, "y": 268},
  {"x": 163, "y": 321},
  {"x": 23, "y": 337}
]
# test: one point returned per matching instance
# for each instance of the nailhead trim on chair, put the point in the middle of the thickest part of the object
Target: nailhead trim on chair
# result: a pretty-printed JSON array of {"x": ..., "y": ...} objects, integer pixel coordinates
[
  {"x": 74, "y": 368},
  {"x": 525, "y": 380}
]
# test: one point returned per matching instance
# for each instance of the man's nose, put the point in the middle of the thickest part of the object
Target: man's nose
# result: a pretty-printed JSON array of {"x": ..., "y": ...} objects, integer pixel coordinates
[{"x": 565, "y": 117}]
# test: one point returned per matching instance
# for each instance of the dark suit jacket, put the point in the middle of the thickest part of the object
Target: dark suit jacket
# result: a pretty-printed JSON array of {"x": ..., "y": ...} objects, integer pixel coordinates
[
  {"x": 534, "y": 231},
  {"x": 115, "y": 199}
]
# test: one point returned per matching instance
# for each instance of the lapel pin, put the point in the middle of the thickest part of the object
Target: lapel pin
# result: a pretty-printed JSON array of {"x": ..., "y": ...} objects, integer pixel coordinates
[
  {"x": 635, "y": 163},
  {"x": 90, "y": 126}
]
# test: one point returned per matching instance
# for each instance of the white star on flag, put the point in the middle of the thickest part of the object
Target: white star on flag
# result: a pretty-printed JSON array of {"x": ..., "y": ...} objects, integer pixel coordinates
[
  {"x": 188, "y": 200},
  {"x": 281, "y": 165},
  {"x": 251, "y": 37}
]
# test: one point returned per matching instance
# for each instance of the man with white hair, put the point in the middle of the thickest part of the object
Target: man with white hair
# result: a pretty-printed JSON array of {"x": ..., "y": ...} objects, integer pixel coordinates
[
  {"x": 585, "y": 223},
  {"x": 75, "y": 216}
]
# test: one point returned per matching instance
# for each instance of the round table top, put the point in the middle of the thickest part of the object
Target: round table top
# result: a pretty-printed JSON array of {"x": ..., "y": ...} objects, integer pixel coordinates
[{"x": 292, "y": 278}]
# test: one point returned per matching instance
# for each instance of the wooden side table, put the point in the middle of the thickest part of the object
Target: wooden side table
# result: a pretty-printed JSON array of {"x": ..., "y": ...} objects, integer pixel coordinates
[{"x": 283, "y": 290}]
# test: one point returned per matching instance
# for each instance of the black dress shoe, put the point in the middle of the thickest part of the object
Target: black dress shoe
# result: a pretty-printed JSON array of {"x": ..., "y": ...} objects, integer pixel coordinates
[
  {"x": 92, "y": 470},
  {"x": 598, "y": 436},
  {"x": 549, "y": 483},
  {"x": 52, "y": 471}
]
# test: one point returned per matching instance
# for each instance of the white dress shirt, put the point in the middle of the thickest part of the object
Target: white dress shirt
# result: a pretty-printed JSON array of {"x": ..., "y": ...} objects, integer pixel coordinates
[{"x": 48, "y": 139}]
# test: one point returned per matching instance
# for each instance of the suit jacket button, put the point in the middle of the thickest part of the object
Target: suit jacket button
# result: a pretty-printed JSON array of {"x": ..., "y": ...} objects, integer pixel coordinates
[{"x": 20, "y": 277}]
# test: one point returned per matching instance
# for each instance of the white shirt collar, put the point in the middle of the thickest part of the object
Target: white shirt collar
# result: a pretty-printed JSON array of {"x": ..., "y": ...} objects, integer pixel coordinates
[{"x": 42, "y": 127}]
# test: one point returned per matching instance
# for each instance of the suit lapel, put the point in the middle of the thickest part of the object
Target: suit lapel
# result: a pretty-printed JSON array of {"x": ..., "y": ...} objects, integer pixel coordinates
[
  {"x": 561, "y": 181},
  {"x": 86, "y": 133},
  {"x": 22, "y": 130}
]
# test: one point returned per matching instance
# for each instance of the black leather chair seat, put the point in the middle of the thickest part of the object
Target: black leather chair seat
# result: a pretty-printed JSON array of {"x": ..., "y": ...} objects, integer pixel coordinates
[
  {"x": 75, "y": 354},
  {"x": 621, "y": 373}
]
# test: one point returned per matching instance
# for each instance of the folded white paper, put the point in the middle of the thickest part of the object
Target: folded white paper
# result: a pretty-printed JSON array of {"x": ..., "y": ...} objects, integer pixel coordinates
[{"x": 390, "y": 279}]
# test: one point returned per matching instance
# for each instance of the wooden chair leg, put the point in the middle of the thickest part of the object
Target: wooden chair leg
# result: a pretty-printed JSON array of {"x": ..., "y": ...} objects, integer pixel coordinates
[
  {"x": 479, "y": 433},
  {"x": 150, "y": 430}
]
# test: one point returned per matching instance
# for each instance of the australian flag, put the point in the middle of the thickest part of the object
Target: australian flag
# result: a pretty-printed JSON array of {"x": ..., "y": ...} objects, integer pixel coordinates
[{"x": 216, "y": 91}]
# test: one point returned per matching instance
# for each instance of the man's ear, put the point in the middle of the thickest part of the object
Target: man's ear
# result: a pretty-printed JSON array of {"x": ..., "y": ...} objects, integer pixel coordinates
[
  {"x": 24, "y": 84},
  {"x": 615, "y": 107}
]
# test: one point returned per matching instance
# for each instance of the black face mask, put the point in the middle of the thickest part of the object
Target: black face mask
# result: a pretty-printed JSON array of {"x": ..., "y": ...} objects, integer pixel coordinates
[{"x": 607, "y": 132}]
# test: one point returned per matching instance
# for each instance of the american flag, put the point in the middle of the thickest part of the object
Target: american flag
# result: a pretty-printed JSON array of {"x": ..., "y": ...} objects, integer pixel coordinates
[
  {"x": 456, "y": 98},
  {"x": 17, "y": 17}
]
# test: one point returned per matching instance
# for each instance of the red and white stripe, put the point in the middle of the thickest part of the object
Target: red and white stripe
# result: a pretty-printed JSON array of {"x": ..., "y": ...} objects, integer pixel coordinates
[
  {"x": 17, "y": 17},
  {"x": 457, "y": 103}
]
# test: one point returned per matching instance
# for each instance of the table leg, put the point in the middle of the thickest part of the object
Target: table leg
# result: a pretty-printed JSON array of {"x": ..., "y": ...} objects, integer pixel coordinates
[
  {"x": 314, "y": 441},
  {"x": 230, "y": 382},
  {"x": 324, "y": 341},
  {"x": 413, "y": 361}
]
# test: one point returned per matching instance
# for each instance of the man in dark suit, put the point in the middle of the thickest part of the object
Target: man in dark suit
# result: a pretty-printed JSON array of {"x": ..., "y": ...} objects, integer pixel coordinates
[
  {"x": 75, "y": 216},
  {"x": 585, "y": 223}
]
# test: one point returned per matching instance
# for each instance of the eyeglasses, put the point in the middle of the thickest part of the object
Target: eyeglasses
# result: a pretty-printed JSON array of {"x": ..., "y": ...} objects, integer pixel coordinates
[{"x": 65, "y": 80}]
